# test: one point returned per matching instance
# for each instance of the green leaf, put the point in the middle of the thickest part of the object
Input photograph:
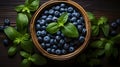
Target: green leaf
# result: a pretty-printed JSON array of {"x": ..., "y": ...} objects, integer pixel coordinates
[
  {"x": 25, "y": 63},
  {"x": 108, "y": 49},
  {"x": 95, "y": 30},
  {"x": 105, "y": 29},
  {"x": 33, "y": 6},
  {"x": 97, "y": 44},
  {"x": 98, "y": 52},
  {"x": 70, "y": 30},
  {"x": 19, "y": 8},
  {"x": 52, "y": 28},
  {"x": 92, "y": 18},
  {"x": 11, "y": 33},
  {"x": 102, "y": 20},
  {"x": 22, "y": 22},
  {"x": 27, "y": 45},
  {"x": 62, "y": 19},
  {"x": 116, "y": 38},
  {"x": 38, "y": 59},
  {"x": 24, "y": 54},
  {"x": 12, "y": 51}
]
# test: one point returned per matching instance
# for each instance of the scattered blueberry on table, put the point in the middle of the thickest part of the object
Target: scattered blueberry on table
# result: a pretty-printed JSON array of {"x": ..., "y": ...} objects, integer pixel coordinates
[{"x": 57, "y": 43}]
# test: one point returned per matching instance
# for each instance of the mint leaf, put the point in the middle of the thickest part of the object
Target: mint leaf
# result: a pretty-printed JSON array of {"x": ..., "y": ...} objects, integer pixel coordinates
[
  {"x": 25, "y": 63},
  {"x": 105, "y": 29},
  {"x": 95, "y": 30},
  {"x": 98, "y": 52},
  {"x": 19, "y": 8},
  {"x": 62, "y": 19},
  {"x": 24, "y": 54},
  {"x": 22, "y": 22},
  {"x": 92, "y": 18},
  {"x": 70, "y": 30},
  {"x": 97, "y": 44},
  {"x": 11, "y": 33},
  {"x": 34, "y": 5},
  {"x": 116, "y": 38},
  {"x": 27, "y": 45},
  {"x": 12, "y": 51},
  {"x": 102, "y": 20},
  {"x": 52, "y": 28},
  {"x": 108, "y": 49},
  {"x": 38, "y": 59}
]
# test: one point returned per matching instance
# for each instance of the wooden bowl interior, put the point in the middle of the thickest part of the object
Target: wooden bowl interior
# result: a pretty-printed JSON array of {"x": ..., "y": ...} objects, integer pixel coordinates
[{"x": 34, "y": 37}]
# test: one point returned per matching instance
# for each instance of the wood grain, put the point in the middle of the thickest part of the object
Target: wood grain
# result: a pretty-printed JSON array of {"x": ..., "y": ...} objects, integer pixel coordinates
[{"x": 109, "y": 8}]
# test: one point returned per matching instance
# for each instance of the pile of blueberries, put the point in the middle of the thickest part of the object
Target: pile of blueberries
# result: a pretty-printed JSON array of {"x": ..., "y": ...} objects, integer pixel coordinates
[
  {"x": 115, "y": 26},
  {"x": 2, "y": 27},
  {"x": 57, "y": 43}
]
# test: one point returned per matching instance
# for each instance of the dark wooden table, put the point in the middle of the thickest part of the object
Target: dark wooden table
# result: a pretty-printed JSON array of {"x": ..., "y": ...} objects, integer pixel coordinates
[{"x": 108, "y": 8}]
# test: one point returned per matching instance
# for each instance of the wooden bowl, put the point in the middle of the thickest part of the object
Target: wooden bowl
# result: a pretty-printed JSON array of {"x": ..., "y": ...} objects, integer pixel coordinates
[{"x": 34, "y": 37}]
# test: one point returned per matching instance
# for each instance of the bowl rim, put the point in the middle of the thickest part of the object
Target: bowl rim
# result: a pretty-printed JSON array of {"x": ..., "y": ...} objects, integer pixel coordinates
[{"x": 69, "y": 55}]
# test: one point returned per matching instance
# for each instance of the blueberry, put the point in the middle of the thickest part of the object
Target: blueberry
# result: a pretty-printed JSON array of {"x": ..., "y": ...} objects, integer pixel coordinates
[
  {"x": 1, "y": 28},
  {"x": 43, "y": 27},
  {"x": 46, "y": 12},
  {"x": 52, "y": 50},
  {"x": 42, "y": 22},
  {"x": 70, "y": 9},
  {"x": 76, "y": 14},
  {"x": 57, "y": 7},
  {"x": 71, "y": 43},
  {"x": 5, "y": 42},
  {"x": 63, "y": 51},
  {"x": 57, "y": 13},
  {"x": 62, "y": 9},
  {"x": 50, "y": 16},
  {"x": 62, "y": 5},
  {"x": 47, "y": 45},
  {"x": 46, "y": 39},
  {"x": 43, "y": 33},
  {"x": 114, "y": 25},
  {"x": 71, "y": 49},
  {"x": 58, "y": 51},
  {"x": 51, "y": 41},
  {"x": 38, "y": 33},
  {"x": 51, "y": 11},
  {"x": 38, "y": 27},
  {"x": 48, "y": 50},
  {"x": 54, "y": 46},
  {"x": 43, "y": 45},
  {"x": 65, "y": 9},
  {"x": 75, "y": 23},
  {"x": 62, "y": 41},
  {"x": 62, "y": 35},
  {"x": 84, "y": 31},
  {"x": 54, "y": 19},
  {"x": 118, "y": 21},
  {"x": 81, "y": 39},
  {"x": 55, "y": 41},
  {"x": 70, "y": 15},
  {"x": 80, "y": 27},
  {"x": 40, "y": 39},
  {"x": 79, "y": 22},
  {"x": 82, "y": 19},
  {"x": 65, "y": 46},
  {"x": 58, "y": 38},
  {"x": 44, "y": 17},
  {"x": 73, "y": 19},
  {"x": 58, "y": 33},
  {"x": 6, "y": 22},
  {"x": 48, "y": 19},
  {"x": 113, "y": 33}
]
